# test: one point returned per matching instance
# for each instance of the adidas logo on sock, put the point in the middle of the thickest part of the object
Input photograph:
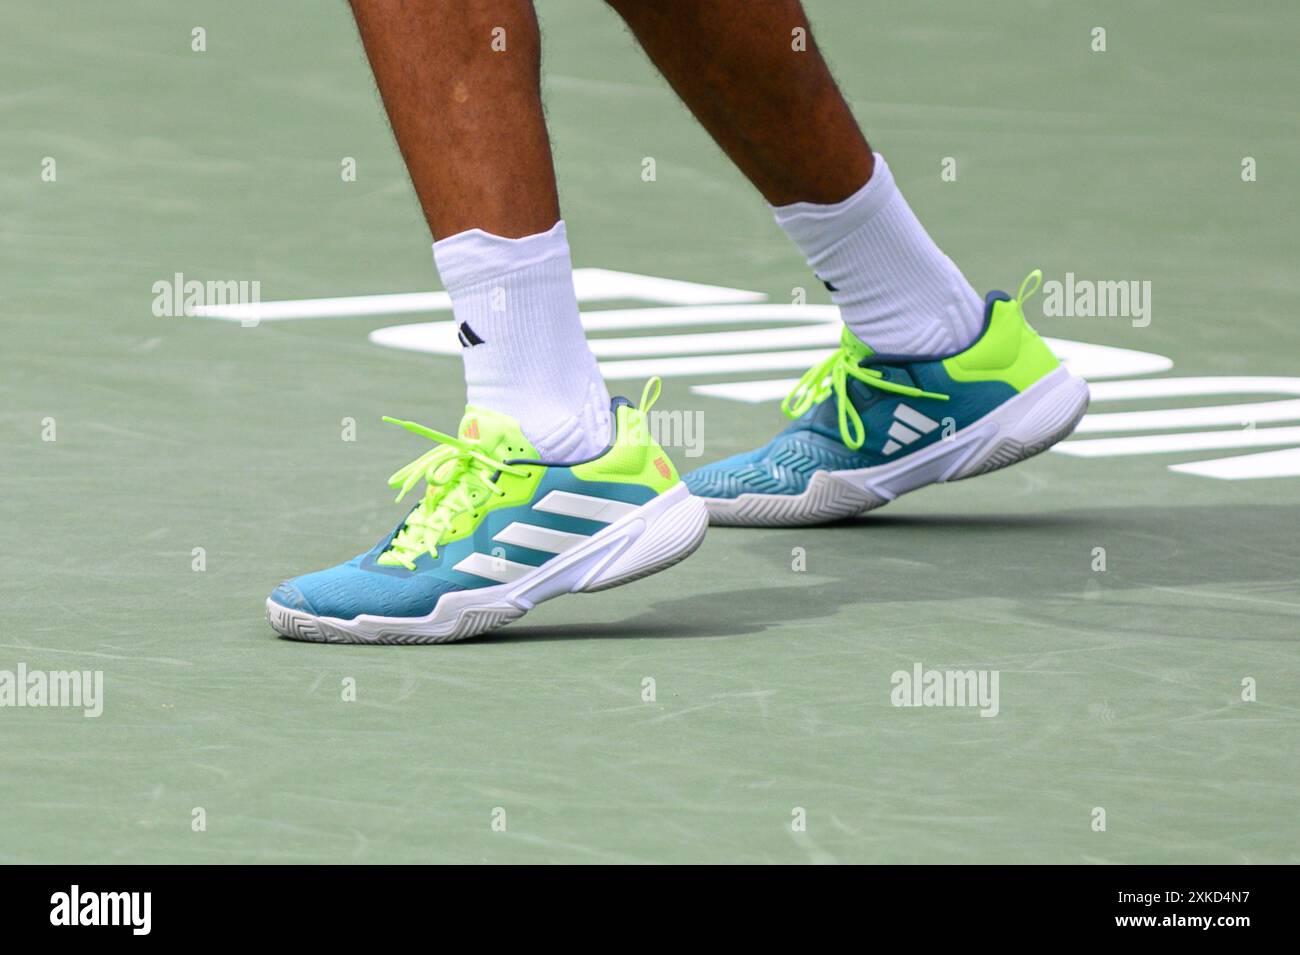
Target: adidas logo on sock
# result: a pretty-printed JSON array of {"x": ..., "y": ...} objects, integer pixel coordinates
[
  {"x": 909, "y": 425},
  {"x": 467, "y": 336}
]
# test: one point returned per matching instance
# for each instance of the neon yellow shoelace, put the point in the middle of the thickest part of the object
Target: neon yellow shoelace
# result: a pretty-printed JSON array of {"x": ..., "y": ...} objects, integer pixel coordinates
[
  {"x": 456, "y": 475},
  {"x": 832, "y": 377}
]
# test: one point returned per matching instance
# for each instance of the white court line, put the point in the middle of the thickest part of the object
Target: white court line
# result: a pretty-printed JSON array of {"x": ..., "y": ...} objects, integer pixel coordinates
[
  {"x": 1284, "y": 463},
  {"x": 1259, "y": 412},
  {"x": 815, "y": 324},
  {"x": 591, "y": 285},
  {"x": 703, "y": 365},
  {"x": 1167, "y": 443}
]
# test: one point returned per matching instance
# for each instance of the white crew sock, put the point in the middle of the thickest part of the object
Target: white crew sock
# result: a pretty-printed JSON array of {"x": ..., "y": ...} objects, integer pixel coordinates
[
  {"x": 524, "y": 349},
  {"x": 896, "y": 290}
]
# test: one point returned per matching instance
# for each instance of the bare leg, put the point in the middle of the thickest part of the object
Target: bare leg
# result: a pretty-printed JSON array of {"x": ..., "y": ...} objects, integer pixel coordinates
[
  {"x": 775, "y": 111},
  {"x": 461, "y": 83},
  {"x": 468, "y": 118}
]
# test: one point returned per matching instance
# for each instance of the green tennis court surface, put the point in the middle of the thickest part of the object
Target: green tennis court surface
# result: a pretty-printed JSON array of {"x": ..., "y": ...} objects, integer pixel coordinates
[{"x": 772, "y": 653}]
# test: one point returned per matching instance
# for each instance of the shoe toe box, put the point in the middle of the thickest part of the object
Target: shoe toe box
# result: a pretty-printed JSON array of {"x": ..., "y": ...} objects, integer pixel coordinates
[
  {"x": 288, "y": 595},
  {"x": 348, "y": 591}
]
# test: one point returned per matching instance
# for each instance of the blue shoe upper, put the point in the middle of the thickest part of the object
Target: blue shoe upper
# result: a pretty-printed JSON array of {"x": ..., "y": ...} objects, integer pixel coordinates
[
  {"x": 814, "y": 442},
  {"x": 362, "y": 586}
]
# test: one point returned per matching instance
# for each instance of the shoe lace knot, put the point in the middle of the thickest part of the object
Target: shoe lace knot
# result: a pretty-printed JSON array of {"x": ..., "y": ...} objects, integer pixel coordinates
[
  {"x": 831, "y": 377},
  {"x": 459, "y": 476}
]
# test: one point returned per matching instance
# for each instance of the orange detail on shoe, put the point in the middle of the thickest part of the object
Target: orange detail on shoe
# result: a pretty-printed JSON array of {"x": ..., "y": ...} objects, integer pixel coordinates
[
  {"x": 662, "y": 467},
  {"x": 471, "y": 428}
]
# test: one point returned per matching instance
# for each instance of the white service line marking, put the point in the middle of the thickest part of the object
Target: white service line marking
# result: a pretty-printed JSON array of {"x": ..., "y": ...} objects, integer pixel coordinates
[
  {"x": 591, "y": 285},
  {"x": 820, "y": 323},
  {"x": 704, "y": 365},
  {"x": 1269, "y": 464},
  {"x": 1167, "y": 443},
  {"x": 1260, "y": 412}
]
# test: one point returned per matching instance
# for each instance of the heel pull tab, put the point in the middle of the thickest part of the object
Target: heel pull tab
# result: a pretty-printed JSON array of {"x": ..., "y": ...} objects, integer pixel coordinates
[
  {"x": 1027, "y": 290},
  {"x": 650, "y": 394}
]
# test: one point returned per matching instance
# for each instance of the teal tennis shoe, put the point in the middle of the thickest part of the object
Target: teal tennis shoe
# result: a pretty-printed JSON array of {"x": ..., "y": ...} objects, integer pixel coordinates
[
  {"x": 498, "y": 531},
  {"x": 869, "y": 427}
]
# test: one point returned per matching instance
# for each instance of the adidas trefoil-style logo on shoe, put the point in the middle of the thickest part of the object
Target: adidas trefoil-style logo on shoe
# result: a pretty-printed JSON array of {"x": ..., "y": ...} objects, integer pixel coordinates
[{"x": 909, "y": 425}]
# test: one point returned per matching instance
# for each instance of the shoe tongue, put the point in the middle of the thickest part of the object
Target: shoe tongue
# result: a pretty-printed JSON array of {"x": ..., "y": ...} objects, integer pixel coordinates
[
  {"x": 856, "y": 347},
  {"x": 495, "y": 434}
]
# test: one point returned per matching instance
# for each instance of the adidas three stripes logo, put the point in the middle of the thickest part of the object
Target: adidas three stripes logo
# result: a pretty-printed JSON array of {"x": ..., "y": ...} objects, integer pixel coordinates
[
  {"x": 909, "y": 426},
  {"x": 543, "y": 539}
]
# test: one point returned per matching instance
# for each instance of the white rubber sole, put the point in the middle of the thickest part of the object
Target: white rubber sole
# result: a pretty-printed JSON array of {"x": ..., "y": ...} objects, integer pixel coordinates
[
  {"x": 1028, "y": 424},
  {"x": 652, "y": 538}
]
